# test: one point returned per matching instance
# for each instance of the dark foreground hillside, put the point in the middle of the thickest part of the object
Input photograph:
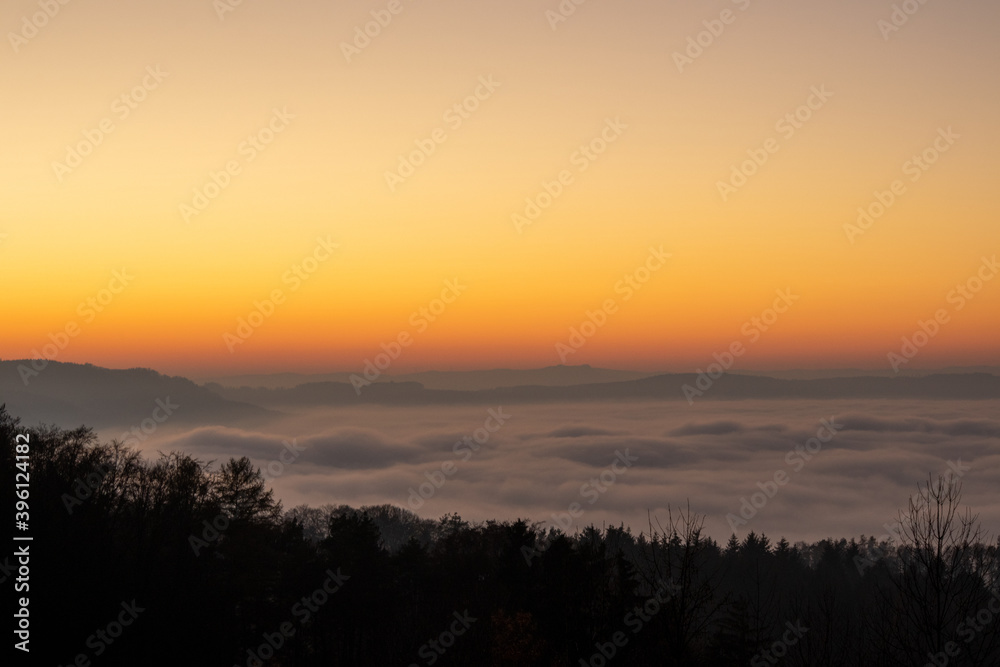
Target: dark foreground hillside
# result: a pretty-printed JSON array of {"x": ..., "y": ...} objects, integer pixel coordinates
[{"x": 175, "y": 562}]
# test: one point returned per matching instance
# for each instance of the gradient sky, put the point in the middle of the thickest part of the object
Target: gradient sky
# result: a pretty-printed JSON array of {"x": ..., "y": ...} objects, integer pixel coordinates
[{"x": 656, "y": 184}]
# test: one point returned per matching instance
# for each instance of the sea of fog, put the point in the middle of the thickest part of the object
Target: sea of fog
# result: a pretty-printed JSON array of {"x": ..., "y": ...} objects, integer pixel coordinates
[{"x": 805, "y": 470}]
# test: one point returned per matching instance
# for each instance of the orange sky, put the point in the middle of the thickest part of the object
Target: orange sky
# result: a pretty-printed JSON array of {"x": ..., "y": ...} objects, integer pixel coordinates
[{"x": 298, "y": 139}]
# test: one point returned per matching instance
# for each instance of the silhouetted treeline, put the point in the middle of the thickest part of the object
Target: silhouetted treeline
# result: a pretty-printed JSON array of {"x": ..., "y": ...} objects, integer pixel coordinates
[{"x": 179, "y": 562}]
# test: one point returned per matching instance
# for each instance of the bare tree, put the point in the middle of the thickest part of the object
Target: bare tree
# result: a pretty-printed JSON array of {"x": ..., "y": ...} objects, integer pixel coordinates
[
  {"x": 939, "y": 576},
  {"x": 679, "y": 558}
]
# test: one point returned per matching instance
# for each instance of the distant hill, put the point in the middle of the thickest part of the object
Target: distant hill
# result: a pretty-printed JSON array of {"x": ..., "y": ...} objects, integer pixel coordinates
[
  {"x": 556, "y": 376},
  {"x": 551, "y": 376},
  {"x": 73, "y": 394},
  {"x": 815, "y": 374},
  {"x": 970, "y": 386}
]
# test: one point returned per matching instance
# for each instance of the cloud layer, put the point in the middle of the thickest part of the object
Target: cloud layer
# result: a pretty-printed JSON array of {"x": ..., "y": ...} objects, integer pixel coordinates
[{"x": 842, "y": 482}]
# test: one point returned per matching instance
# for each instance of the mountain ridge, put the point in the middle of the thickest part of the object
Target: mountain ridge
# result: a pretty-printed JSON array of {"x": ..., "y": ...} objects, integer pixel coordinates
[{"x": 87, "y": 394}]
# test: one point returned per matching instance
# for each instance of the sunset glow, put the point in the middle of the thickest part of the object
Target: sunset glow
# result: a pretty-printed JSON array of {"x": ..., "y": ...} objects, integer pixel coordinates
[{"x": 213, "y": 153}]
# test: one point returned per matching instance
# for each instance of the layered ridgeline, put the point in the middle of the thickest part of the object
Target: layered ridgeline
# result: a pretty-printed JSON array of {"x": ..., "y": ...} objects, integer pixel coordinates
[{"x": 73, "y": 394}]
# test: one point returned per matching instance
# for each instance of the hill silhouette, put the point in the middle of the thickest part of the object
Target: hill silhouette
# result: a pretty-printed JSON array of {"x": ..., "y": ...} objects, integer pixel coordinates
[
  {"x": 66, "y": 393},
  {"x": 448, "y": 380},
  {"x": 973, "y": 386}
]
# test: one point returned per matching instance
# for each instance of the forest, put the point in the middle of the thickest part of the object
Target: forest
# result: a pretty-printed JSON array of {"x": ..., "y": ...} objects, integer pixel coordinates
[{"x": 177, "y": 561}]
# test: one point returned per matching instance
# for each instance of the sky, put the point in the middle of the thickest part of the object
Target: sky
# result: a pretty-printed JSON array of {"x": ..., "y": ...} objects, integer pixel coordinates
[{"x": 196, "y": 186}]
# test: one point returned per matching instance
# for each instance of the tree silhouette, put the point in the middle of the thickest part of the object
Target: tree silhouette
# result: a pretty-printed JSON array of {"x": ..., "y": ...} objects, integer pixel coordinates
[{"x": 112, "y": 527}]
